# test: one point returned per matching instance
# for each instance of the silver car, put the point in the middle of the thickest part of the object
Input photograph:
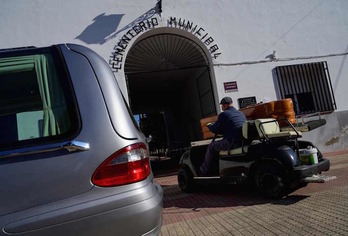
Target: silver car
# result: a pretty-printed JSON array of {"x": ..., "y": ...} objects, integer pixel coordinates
[{"x": 72, "y": 158}]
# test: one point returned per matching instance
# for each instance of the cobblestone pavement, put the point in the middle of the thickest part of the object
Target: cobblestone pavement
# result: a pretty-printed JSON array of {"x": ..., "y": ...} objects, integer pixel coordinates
[{"x": 317, "y": 209}]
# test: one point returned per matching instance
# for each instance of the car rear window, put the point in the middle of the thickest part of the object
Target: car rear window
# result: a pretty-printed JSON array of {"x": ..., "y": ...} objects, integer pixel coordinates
[{"x": 34, "y": 105}]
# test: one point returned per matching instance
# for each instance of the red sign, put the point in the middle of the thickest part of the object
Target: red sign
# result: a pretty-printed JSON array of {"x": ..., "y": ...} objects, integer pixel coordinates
[{"x": 231, "y": 87}]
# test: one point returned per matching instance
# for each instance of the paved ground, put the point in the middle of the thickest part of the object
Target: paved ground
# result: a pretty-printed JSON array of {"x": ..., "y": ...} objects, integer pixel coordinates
[{"x": 317, "y": 209}]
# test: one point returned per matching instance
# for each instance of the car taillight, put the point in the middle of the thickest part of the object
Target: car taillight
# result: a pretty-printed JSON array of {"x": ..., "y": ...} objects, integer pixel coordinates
[{"x": 128, "y": 165}]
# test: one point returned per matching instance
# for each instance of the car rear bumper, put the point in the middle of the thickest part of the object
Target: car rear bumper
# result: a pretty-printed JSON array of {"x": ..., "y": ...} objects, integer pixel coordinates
[
  {"x": 99, "y": 216},
  {"x": 304, "y": 171}
]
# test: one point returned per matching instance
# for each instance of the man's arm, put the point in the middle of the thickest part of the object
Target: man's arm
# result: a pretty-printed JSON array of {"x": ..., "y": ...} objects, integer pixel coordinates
[{"x": 217, "y": 127}]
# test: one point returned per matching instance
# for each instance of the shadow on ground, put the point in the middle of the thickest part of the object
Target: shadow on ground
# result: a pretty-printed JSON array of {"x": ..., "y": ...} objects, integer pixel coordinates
[
  {"x": 221, "y": 195},
  {"x": 164, "y": 166}
]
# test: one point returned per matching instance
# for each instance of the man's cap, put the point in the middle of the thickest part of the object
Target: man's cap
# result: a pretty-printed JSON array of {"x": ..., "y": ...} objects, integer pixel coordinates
[{"x": 226, "y": 100}]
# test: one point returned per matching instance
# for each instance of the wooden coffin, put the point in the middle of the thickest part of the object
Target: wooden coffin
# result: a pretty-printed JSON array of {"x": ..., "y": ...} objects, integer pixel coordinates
[
  {"x": 205, "y": 131},
  {"x": 281, "y": 109}
]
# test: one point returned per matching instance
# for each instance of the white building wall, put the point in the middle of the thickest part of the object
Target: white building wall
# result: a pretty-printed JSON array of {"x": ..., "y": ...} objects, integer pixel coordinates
[{"x": 245, "y": 31}]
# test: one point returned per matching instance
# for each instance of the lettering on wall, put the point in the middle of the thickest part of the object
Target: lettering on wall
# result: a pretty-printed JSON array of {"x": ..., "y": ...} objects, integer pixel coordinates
[
  {"x": 116, "y": 61},
  {"x": 197, "y": 31}
]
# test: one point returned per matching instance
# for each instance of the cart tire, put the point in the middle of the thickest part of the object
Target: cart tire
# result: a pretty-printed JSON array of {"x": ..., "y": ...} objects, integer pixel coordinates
[
  {"x": 270, "y": 181},
  {"x": 185, "y": 180}
]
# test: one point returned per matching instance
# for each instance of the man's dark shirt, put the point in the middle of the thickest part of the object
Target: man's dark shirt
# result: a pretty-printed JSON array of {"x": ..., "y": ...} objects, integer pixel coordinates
[{"x": 229, "y": 124}]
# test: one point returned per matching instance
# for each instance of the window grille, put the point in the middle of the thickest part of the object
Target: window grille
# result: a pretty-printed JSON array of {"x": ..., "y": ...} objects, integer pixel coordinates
[{"x": 308, "y": 85}]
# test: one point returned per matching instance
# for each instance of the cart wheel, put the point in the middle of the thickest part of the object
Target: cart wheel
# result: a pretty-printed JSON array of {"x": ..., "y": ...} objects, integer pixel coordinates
[
  {"x": 185, "y": 180},
  {"x": 270, "y": 181}
]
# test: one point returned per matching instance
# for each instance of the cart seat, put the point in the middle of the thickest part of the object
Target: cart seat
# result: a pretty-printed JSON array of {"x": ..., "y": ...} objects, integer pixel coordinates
[
  {"x": 250, "y": 136},
  {"x": 269, "y": 129},
  {"x": 234, "y": 151}
]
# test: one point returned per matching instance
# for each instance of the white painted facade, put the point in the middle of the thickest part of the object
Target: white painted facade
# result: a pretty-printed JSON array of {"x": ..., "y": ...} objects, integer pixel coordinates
[{"x": 246, "y": 33}]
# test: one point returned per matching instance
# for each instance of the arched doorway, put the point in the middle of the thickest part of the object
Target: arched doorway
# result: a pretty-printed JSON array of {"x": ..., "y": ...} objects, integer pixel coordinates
[{"x": 168, "y": 79}]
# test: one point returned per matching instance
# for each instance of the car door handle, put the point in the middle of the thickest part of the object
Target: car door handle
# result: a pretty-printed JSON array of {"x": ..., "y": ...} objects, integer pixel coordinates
[
  {"x": 71, "y": 146},
  {"x": 74, "y": 146}
]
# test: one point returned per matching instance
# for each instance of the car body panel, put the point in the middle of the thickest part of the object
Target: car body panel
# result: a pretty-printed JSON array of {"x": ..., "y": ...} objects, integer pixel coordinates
[
  {"x": 115, "y": 107},
  {"x": 50, "y": 192}
]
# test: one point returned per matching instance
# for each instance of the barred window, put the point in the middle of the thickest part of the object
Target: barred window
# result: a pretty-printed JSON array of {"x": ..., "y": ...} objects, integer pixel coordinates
[{"x": 308, "y": 85}]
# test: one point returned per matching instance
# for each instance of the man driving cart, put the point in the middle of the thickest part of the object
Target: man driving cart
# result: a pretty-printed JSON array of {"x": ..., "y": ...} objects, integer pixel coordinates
[
  {"x": 259, "y": 152},
  {"x": 229, "y": 124}
]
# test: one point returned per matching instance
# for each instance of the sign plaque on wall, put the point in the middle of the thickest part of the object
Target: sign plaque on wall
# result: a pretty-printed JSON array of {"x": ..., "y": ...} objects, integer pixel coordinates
[
  {"x": 231, "y": 87},
  {"x": 244, "y": 102}
]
